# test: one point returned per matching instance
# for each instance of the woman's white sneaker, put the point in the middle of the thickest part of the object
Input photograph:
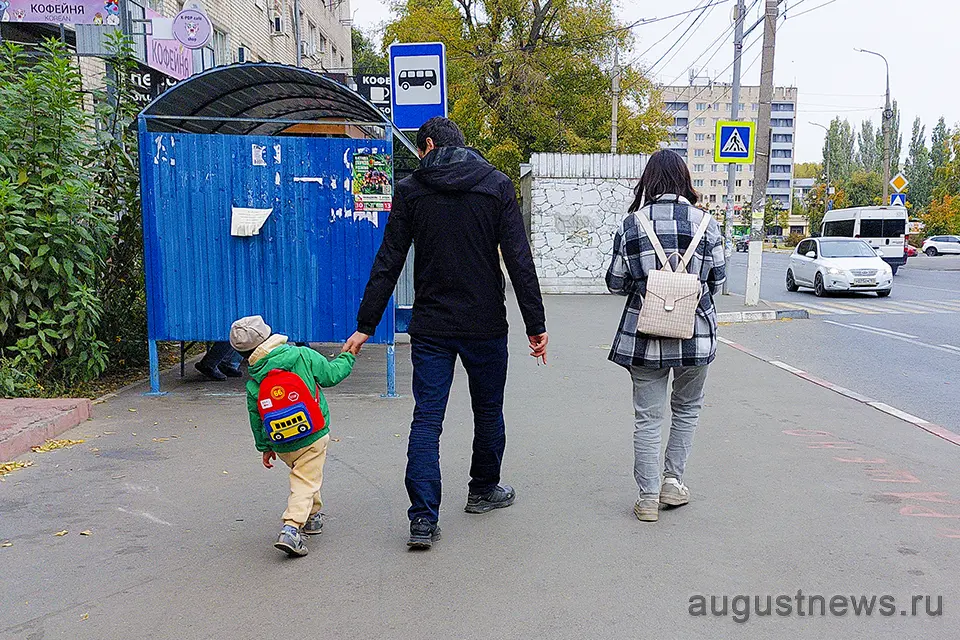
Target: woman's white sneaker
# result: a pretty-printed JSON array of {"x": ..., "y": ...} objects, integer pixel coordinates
[{"x": 674, "y": 493}]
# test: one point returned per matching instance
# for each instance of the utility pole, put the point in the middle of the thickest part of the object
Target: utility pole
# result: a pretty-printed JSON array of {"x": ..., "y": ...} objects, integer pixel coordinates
[
  {"x": 761, "y": 174},
  {"x": 887, "y": 117},
  {"x": 740, "y": 11},
  {"x": 826, "y": 192},
  {"x": 616, "y": 101}
]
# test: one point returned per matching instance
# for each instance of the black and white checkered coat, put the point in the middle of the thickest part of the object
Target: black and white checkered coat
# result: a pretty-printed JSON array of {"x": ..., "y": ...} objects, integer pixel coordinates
[{"x": 675, "y": 222}]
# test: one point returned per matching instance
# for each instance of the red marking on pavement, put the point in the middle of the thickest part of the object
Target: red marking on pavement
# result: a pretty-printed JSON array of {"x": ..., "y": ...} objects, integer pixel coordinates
[
  {"x": 891, "y": 475},
  {"x": 949, "y": 533},
  {"x": 924, "y": 512},
  {"x": 924, "y": 496},
  {"x": 832, "y": 445},
  {"x": 803, "y": 433},
  {"x": 861, "y": 460}
]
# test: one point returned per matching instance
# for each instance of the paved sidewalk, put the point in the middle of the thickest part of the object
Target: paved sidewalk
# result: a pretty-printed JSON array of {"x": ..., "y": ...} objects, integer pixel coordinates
[
  {"x": 732, "y": 309},
  {"x": 28, "y": 422},
  {"x": 794, "y": 487}
]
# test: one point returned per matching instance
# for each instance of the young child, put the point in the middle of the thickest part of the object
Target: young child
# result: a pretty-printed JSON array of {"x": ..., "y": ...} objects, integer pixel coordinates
[{"x": 290, "y": 418}]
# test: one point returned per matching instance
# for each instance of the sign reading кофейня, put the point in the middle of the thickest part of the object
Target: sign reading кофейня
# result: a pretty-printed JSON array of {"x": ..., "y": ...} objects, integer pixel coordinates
[{"x": 105, "y": 12}]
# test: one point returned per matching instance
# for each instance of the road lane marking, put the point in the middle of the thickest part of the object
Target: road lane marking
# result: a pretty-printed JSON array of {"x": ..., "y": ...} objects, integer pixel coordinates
[
  {"x": 905, "y": 307},
  {"x": 875, "y": 332},
  {"x": 797, "y": 307},
  {"x": 950, "y": 346},
  {"x": 856, "y": 308},
  {"x": 825, "y": 309},
  {"x": 917, "y": 286},
  {"x": 893, "y": 333},
  {"x": 932, "y": 306},
  {"x": 881, "y": 308}
]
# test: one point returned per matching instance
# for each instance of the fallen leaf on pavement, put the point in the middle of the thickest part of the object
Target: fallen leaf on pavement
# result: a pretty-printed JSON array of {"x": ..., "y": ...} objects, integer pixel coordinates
[
  {"x": 51, "y": 445},
  {"x": 155, "y": 423},
  {"x": 60, "y": 534},
  {"x": 160, "y": 439},
  {"x": 174, "y": 436},
  {"x": 336, "y": 439},
  {"x": 10, "y": 467},
  {"x": 396, "y": 435},
  {"x": 109, "y": 433},
  {"x": 94, "y": 449},
  {"x": 224, "y": 473},
  {"x": 133, "y": 434},
  {"x": 85, "y": 616},
  {"x": 132, "y": 410},
  {"x": 87, "y": 532},
  {"x": 6, "y": 543}
]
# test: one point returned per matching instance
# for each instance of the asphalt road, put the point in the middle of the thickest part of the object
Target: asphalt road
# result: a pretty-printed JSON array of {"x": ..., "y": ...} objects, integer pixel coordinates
[{"x": 903, "y": 350}]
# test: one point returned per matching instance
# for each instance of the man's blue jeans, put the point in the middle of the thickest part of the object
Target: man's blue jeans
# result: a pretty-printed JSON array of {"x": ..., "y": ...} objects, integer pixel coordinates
[{"x": 433, "y": 364}]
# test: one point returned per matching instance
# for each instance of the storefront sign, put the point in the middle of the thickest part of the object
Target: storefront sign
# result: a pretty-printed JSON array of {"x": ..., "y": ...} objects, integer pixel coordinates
[
  {"x": 192, "y": 28},
  {"x": 98, "y": 12},
  {"x": 167, "y": 56}
]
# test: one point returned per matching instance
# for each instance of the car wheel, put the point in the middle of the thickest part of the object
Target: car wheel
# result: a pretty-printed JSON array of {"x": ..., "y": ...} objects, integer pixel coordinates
[
  {"x": 818, "y": 287},
  {"x": 931, "y": 251},
  {"x": 791, "y": 283},
  {"x": 883, "y": 294}
]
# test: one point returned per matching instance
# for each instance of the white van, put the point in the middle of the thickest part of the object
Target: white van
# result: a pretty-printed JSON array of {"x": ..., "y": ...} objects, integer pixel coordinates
[{"x": 883, "y": 228}]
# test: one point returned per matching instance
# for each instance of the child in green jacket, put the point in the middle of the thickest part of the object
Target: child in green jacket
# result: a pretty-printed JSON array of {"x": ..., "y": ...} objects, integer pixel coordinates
[{"x": 295, "y": 431}]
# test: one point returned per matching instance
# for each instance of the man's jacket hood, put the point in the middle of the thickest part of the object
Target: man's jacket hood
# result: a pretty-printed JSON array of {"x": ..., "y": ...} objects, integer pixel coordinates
[{"x": 454, "y": 169}]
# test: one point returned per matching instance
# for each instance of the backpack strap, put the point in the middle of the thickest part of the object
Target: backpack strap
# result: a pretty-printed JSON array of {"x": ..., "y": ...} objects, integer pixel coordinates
[
  {"x": 647, "y": 225},
  {"x": 694, "y": 242}
]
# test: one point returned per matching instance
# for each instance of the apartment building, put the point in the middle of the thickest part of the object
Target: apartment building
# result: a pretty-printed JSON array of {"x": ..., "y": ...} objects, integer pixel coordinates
[{"x": 697, "y": 108}]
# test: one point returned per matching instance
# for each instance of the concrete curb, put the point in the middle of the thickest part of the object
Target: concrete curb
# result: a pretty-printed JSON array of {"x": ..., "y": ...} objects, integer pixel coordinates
[
  {"x": 926, "y": 425},
  {"x": 735, "y": 317},
  {"x": 64, "y": 418}
]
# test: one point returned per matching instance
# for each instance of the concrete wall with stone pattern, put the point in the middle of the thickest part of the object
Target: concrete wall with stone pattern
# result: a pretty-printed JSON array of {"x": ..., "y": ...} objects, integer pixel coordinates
[{"x": 577, "y": 204}]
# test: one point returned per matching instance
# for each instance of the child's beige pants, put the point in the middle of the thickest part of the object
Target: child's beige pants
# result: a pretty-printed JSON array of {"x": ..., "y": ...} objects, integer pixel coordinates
[{"x": 306, "y": 476}]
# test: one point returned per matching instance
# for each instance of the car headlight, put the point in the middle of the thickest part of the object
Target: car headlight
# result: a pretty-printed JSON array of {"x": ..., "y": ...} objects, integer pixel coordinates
[
  {"x": 886, "y": 269},
  {"x": 834, "y": 271}
]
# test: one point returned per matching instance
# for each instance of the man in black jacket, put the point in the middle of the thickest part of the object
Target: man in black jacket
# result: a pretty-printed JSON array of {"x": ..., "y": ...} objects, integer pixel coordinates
[{"x": 457, "y": 210}]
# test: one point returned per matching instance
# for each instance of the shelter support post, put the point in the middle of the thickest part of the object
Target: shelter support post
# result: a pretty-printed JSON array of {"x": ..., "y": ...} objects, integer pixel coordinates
[
  {"x": 391, "y": 372},
  {"x": 154, "y": 370}
]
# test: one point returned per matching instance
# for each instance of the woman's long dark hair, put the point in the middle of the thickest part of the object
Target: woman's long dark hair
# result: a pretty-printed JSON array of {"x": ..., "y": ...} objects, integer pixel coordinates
[{"x": 666, "y": 172}]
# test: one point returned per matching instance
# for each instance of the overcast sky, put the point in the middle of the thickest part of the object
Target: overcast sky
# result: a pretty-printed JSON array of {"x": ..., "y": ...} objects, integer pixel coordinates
[{"x": 815, "y": 52}]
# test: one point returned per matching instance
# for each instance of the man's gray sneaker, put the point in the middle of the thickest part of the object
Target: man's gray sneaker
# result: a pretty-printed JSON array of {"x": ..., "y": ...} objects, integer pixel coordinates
[
  {"x": 500, "y": 497},
  {"x": 647, "y": 510},
  {"x": 423, "y": 533},
  {"x": 314, "y": 525},
  {"x": 674, "y": 493},
  {"x": 291, "y": 542}
]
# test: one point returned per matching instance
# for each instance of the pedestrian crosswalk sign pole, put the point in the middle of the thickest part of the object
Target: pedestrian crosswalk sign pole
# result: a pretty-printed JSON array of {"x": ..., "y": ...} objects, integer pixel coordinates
[{"x": 735, "y": 141}]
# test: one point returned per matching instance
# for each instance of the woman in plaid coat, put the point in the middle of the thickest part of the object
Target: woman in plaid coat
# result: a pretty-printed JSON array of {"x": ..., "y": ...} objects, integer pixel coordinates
[{"x": 665, "y": 195}]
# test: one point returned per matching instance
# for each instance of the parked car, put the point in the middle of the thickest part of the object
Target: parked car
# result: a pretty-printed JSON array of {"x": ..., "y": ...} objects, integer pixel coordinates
[
  {"x": 838, "y": 264},
  {"x": 911, "y": 251},
  {"x": 742, "y": 244},
  {"x": 935, "y": 245}
]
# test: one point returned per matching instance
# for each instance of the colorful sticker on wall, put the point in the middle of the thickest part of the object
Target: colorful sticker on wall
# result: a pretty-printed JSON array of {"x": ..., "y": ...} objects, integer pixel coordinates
[{"x": 372, "y": 181}]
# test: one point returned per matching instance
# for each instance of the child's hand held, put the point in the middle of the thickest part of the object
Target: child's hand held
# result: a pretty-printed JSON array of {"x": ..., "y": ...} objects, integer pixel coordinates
[{"x": 268, "y": 458}]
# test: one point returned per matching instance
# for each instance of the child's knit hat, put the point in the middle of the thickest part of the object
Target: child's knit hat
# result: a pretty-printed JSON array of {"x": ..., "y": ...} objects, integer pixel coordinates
[{"x": 246, "y": 334}]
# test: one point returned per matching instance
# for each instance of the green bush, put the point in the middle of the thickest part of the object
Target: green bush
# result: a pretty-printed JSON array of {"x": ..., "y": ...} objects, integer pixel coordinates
[
  {"x": 54, "y": 230},
  {"x": 793, "y": 239}
]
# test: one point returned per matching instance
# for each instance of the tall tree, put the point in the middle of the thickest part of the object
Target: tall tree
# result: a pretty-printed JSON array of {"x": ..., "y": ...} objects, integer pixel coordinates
[
  {"x": 864, "y": 188},
  {"x": 938, "y": 152},
  {"x": 366, "y": 59},
  {"x": 918, "y": 169},
  {"x": 869, "y": 154},
  {"x": 807, "y": 170},
  {"x": 842, "y": 143},
  {"x": 533, "y": 75}
]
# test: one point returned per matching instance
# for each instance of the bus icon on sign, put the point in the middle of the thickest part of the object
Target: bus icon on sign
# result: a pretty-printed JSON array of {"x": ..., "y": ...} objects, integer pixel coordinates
[{"x": 426, "y": 78}]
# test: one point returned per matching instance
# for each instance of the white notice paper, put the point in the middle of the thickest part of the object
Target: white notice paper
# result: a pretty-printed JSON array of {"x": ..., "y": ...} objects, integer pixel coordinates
[{"x": 246, "y": 221}]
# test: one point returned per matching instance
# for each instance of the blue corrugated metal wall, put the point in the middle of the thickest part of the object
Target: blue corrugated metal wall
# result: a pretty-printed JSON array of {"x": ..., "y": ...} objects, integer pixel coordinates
[{"x": 305, "y": 271}]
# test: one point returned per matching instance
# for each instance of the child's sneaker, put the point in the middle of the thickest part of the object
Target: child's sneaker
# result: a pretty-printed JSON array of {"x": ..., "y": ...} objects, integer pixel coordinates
[
  {"x": 314, "y": 525},
  {"x": 290, "y": 541},
  {"x": 674, "y": 493}
]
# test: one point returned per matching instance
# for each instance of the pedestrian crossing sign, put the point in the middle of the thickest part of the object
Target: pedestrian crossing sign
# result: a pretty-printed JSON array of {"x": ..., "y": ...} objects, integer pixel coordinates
[{"x": 735, "y": 141}]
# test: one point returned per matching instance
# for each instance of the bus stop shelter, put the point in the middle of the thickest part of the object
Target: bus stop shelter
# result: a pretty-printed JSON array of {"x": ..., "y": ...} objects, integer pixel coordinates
[{"x": 265, "y": 190}]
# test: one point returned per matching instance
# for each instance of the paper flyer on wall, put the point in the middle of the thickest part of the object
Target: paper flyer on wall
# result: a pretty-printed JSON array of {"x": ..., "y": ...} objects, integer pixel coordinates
[{"x": 372, "y": 181}]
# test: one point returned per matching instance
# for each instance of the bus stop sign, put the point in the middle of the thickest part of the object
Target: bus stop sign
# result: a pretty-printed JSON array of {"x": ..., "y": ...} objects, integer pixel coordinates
[{"x": 418, "y": 82}]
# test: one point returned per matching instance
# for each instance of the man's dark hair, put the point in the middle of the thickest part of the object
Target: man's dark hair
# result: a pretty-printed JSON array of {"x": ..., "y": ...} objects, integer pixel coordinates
[
  {"x": 666, "y": 172},
  {"x": 443, "y": 131}
]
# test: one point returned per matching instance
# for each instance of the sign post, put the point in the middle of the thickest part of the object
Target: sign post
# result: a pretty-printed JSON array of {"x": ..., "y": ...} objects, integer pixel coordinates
[{"x": 418, "y": 83}]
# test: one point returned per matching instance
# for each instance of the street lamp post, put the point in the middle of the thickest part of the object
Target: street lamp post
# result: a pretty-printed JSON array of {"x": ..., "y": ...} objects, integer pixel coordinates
[
  {"x": 826, "y": 190},
  {"x": 887, "y": 117}
]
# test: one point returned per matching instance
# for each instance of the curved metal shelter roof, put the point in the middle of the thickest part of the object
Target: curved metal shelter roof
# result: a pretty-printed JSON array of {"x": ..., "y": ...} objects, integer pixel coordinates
[{"x": 260, "y": 98}]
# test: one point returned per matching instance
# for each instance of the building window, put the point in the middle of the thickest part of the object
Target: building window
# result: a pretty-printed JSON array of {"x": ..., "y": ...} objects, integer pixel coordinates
[
  {"x": 713, "y": 183},
  {"x": 699, "y": 136},
  {"x": 783, "y": 137},
  {"x": 698, "y": 183},
  {"x": 701, "y": 121},
  {"x": 739, "y": 168},
  {"x": 738, "y": 183},
  {"x": 740, "y": 106},
  {"x": 679, "y": 122},
  {"x": 726, "y": 184},
  {"x": 701, "y": 106},
  {"x": 343, "y": 61},
  {"x": 311, "y": 38},
  {"x": 781, "y": 122},
  {"x": 779, "y": 168},
  {"x": 751, "y": 183},
  {"x": 713, "y": 168},
  {"x": 782, "y": 153},
  {"x": 737, "y": 198},
  {"x": 677, "y": 106},
  {"x": 698, "y": 153},
  {"x": 334, "y": 50},
  {"x": 728, "y": 106},
  {"x": 754, "y": 106},
  {"x": 713, "y": 197},
  {"x": 781, "y": 106},
  {"x": 716, "y": 105},
  {"x": 698, "y": 167}
]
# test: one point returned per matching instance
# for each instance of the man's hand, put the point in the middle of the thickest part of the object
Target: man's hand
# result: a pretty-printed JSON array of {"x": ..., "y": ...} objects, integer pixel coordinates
[
  {"x": 538, "y": 346},
  {"x": 355, "y": 343},
  {"x": 268, "y": 458}
]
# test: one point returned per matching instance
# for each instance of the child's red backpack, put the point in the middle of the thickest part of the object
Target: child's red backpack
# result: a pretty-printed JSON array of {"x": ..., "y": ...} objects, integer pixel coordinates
[{"x": 287, "y": 409}]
